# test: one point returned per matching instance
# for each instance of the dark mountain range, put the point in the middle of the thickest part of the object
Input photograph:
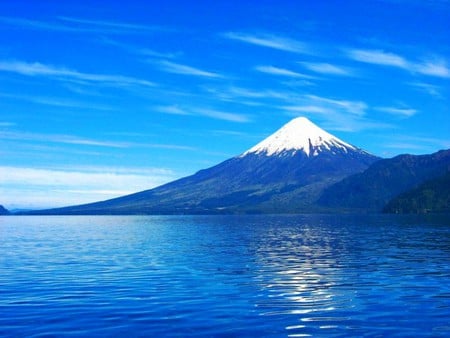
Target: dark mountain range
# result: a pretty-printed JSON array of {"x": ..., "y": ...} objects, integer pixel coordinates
[
  {"x": 3, "y": 211},
  {"x": 285, "y": 173},
  {"x": 432, "y": 196},
  {"x": 372, "y": 189}
]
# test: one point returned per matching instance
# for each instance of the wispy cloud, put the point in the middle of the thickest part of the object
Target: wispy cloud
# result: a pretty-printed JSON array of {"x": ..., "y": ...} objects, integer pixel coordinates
[
  {"x": 281, "y": 72},
  {"x": 53, "y": 187},
  {"x": 357, "y": 108},
  {"x": 55, "y": 138},
  {"x": 79, "y": 25},
  {"x": 335, "y": 114},
  {"x": 237, "y": 93},
  {"x": 436, "y": 67},
  {"x": 80, "y": 141},
  {"x": 243, "y": 92},
  {"x": 162, "y": 146},
  {"x": 418, "y": 143},
  {"x": 7, "y": 124},
  {"x": 195, "y": 111},
  {"x": 406, "y": 146},
  {"x": 35, "y": 24},
  {"x": 327, "y": 68},
  {"x": 138, "y": 49},
  {"x": 57, "y": 102},
  {"x": 427, "y": 88},
  {"x": 172, "y": 110},
  {"x": 402, "y": 112},
  {"x": 271, "y": 41},
  {"x": 378, "y": 57},
  {"x": 226, "y": 116},
  {"x": 61, "y": 73},
  {"x": 232, "y": 133},
  {"x": 176, "y": 68},
  {"x": 114, "y": 25},
  {"x": 311, "y": 109}
]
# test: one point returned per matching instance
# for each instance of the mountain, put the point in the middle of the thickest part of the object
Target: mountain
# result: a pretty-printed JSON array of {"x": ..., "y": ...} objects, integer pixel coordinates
[
  {"x": 284, "y": 173},
  {"x": 3, "y": 211},
  {"x": 383, "y": 180},
  {"x": 430, "y": 196},
  {"x": 302, "y": 135}
]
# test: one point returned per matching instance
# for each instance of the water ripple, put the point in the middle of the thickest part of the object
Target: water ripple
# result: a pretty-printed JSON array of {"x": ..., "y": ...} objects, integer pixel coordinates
[{"x": 187, "y": 276}]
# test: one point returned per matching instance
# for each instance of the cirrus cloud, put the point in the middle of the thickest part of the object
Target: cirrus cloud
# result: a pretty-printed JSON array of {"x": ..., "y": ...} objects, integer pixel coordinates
[
  {"x": 271, "y": 41},
  {"x": 282, "y": 72},
  {"x": 436, "y": 67},
  {"x": 56, "y": 187},
  {"x": 62, "y": 73},
  {"x": 326, "y": 68},
  {"x": 402, "y": 112},
  {"x": 177, "y": 68}
]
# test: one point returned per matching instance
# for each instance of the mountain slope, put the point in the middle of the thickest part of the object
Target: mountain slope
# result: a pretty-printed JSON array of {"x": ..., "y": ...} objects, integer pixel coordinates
[
  {"x": 3, "y": 211},
  {"x": 431, "y": 196},
  {"x": 286, "y": 172},
  {"x": 385, "y": 179}
]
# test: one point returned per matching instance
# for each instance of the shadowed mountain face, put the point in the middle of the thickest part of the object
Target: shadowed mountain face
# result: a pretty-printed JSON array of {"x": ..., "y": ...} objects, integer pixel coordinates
[
  {"x": 3, "y": 211},
  {"x": 432, "y": 196},
  {"x": 375, "y": 187},
  {"x": 284, "y": 173}
]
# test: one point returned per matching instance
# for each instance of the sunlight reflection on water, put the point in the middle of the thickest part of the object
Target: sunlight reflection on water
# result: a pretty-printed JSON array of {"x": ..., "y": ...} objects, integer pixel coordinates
[{"x": 225, "y": 275}]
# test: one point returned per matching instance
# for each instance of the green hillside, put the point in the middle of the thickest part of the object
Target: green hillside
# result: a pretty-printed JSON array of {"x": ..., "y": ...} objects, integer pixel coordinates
[
  {"x": 431, "y": 196},
  {"x": 372, "y": 189}
]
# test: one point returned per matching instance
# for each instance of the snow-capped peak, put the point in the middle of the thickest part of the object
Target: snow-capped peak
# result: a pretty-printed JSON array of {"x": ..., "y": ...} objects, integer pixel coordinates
[{"x": 300, "y": 134}]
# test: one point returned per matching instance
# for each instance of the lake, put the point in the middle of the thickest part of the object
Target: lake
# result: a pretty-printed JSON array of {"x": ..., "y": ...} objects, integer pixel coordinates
[{"x": 227, "y": 276}]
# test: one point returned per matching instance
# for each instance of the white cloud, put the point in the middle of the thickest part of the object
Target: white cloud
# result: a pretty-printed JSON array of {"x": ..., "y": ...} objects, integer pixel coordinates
[
  {"x": 427, "y": 88},
  {"x": 55, "y": 138},
  {"x": 226, "y": 116},
  {"x": 419, "y": 143},
  {"x": 195, "y": 111},
  {"x": 41, "y": 188},
  {"x": 57, "y": 102},
  {"x": 233, "y": 93},
  {"x": 176, "y": 68},
  {"x": 77, "y": 25},
  {"x": 308, "y": 109},
  {"x": 281, "y": 72},
  {"x": 378, "y": 57},
  {"x": 334, "y": 114},
  {"x": 432, "y": 67},
  {"x": 244, "y": 92},
  {"x": 113, "y": 26},
  {"x": 7, "y": 124},
  {"x": 404, "y": 112},
  {"x": 357, "y": 108},
  {"x": 138, "y": 50},
  {"x": 76, "y": 140},
  {"x": 39, "y": 69},
  {"x": 327, "y": 68},
  {"x": 437, "y": 68},
  {"x": 271, "y": 41},
  {"x": 162, "y": 146},
  {"x": 173, "y": 110}
]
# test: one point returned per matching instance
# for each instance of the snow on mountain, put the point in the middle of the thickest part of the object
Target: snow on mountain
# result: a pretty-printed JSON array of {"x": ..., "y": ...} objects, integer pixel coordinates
[{"x": 300, "y": 134}]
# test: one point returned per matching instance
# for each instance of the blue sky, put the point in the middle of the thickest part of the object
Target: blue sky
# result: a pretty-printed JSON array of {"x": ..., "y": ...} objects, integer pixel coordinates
[{"x": 104, "y": 98}]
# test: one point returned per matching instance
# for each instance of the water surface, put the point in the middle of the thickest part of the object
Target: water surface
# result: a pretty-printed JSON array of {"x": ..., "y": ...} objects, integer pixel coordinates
[{"x": 307, "y": 275}]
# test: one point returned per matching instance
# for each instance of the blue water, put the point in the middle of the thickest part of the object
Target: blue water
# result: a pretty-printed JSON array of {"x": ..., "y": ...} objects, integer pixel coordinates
[{"x": 225, "y": 276}]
